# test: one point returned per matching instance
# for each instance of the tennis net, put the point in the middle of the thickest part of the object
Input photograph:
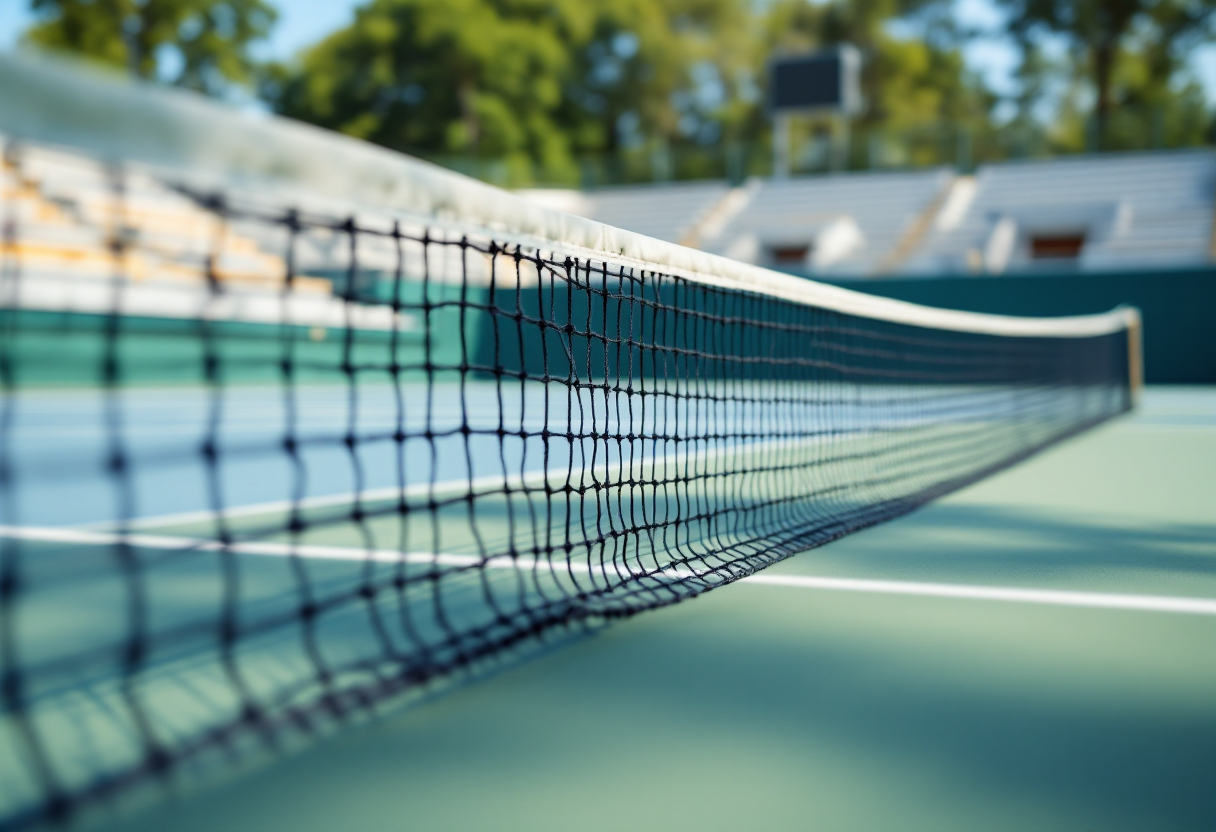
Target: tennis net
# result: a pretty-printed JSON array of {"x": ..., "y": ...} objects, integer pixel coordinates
[{"x": 294, "y": 429}]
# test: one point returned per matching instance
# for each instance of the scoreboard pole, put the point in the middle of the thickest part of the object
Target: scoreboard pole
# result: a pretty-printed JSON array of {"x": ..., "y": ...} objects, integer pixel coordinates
[
  {"x": 781, "y": 145},
  {"x": 824, "y": 86},
  {"x": 838, "y": 155}
]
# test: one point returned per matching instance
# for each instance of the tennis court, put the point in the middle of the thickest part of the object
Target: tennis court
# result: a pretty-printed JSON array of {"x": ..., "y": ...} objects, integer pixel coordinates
[
  {"x": 424, "y": 539},
  {"x": 291, "y": 457},
  {"x": 821, "y": 708}
]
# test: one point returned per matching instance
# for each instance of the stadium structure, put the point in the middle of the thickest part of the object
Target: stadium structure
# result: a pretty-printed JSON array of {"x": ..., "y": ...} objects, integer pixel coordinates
[
  {"x": 1105, "y": 213},
  {"x": 1092, "y": 214},
  {"x": 1101, "y": 213}
]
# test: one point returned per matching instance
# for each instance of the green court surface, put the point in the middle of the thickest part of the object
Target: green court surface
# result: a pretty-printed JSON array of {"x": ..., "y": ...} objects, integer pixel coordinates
[{"x": 770, "y": 705}]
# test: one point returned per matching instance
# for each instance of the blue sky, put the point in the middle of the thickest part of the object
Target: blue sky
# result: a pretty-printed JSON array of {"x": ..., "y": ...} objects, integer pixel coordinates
[{"x": 302, "y": 22}]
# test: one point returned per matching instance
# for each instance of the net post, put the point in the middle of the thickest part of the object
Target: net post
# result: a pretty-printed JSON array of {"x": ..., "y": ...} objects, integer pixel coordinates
[{"x": 1135, "y": 354}]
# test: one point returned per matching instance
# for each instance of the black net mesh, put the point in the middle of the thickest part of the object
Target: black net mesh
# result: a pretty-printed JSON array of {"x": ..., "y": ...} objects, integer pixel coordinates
[{"x": 268, "y": 465}]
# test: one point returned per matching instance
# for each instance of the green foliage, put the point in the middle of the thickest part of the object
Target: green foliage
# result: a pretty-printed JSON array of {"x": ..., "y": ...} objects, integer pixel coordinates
[
  {"x": 581, "y": 91},
  {"x": 641, "y": 73},
  {"x": 441, "y": 76},
  {"x": 538, "y": 80},
  {"x": 548, "y": 80},
  {"x": 1130, "y": 54},
  {"x": 200, "y": 44}
]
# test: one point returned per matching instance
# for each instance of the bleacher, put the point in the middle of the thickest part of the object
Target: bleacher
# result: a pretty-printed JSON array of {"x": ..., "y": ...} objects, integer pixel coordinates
[
  {"x": 1097, "y": 213},
  {"x": 87, "y": 241},
  {"x": 669, "y": 211},
  {"x": 843, "y": 224},
  {"x": 1100, "y": 213}
]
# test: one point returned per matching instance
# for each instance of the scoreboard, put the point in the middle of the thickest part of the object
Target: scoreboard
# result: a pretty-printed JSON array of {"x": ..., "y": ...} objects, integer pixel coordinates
[{"x": 824, "y": 82}]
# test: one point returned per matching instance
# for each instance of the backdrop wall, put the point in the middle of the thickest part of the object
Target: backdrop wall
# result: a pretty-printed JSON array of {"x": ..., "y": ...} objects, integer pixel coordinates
[{"x": 1179, "y": 308}]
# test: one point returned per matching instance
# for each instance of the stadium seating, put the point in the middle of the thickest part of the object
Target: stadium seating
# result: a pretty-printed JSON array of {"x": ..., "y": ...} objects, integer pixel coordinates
[
  {"x": 1094, "y": 213},
  {"x": 1098, "y": 213},
  {"x": 69, "y": 213},
  {"x": 669, "y": 211},
  {"x": 83, "y": 241},
  {"x": 844, "y": 224}
]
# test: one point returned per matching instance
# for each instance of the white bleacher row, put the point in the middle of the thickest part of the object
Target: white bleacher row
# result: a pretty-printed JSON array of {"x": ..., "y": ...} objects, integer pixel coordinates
[
  {"x": 1142, "y": 210},
  {"x": 1135, "y": 210},
  {"x": 868, "y": 213},
  {"x": 666, "y": 212},
  {"x": 65, "y": 212},
  {"x": 68, "y": 210}
]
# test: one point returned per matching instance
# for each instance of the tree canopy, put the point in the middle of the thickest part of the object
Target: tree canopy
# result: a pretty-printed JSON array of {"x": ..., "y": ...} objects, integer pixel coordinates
[
  {"x": 550, "y": 82},
  {"x": 537, "y": 78},
  {"x": 452, "y": 76},
  {"x": 200, "y": 44},
  {"x": 1131, "y": 52},
  {"x": 550, "y": 79}
]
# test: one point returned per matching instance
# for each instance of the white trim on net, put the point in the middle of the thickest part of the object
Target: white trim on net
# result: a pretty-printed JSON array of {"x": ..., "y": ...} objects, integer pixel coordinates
[{"x": 52, "y": 101}]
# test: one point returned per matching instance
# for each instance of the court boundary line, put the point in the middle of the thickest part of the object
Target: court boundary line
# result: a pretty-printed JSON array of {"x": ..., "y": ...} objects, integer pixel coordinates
[
  {"x": 1051, "y": 597},
  {"x": 485, "y": 486},
  {"x": 497, "y": 483},
  {"x": 1048, "y": 597}
]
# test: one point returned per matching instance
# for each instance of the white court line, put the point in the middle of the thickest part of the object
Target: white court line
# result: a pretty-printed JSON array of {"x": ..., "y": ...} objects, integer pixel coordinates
[
  {"x": 1152, "y": 603},
  {"x": 1166, "y": 427},
  {"x": 188, "y": 544},
  {"x": 1101, "y": 600},
  {"x": 487, "y": 485}
]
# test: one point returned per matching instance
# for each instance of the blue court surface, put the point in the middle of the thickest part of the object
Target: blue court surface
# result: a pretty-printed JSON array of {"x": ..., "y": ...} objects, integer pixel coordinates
[{"x": 1035, "y": 652}]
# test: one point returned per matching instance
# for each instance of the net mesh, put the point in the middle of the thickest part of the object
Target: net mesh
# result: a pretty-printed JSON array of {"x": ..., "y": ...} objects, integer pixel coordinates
[{"x": 269, "y": 465}]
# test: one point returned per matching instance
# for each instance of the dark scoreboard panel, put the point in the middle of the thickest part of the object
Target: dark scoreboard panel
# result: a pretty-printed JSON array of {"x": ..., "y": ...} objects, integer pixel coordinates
[{"x": 822, "y": 81}]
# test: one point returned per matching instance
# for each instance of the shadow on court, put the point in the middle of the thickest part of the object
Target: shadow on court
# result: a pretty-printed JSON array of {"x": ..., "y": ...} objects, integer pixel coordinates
[
  {"x": 993, "y": 544},
  {"x": 778, "y": 709}
]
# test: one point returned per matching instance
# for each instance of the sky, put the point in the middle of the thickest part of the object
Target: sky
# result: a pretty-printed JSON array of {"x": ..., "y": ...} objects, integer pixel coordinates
[{"x": 302, "y": 22}]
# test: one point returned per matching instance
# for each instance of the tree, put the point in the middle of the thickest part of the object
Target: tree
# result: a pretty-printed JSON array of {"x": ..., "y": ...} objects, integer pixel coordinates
[
  {"x": 519, "y": 80},
  {"x": 441, "y": 76},
  {"x": 657, "y": 69},
  {"x": 1102, "y": 33},
  {"x": 200, "y": 44}
]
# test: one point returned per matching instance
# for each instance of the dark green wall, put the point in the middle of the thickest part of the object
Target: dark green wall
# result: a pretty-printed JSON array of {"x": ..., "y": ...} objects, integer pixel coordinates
[
  {"x": 1179, "y": 311},
  {"x": 1179, "y": 308}
]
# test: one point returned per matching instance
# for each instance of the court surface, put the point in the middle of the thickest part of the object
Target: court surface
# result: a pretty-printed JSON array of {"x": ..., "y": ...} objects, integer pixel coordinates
[{"x": 1043, "y": 700}]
